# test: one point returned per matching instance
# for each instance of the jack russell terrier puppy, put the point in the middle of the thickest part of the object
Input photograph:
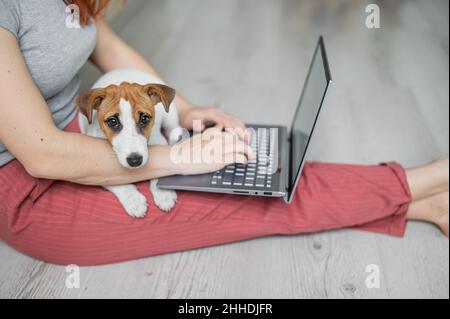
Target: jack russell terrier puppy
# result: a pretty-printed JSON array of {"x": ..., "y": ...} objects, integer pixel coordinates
[{"x": 129, "y": 108}]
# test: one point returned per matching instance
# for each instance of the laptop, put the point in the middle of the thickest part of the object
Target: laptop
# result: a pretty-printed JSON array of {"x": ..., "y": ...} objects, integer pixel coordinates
[{"x": 280, "y": 154}]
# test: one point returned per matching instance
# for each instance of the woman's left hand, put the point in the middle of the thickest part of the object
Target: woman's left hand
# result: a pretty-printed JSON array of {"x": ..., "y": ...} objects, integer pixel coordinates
[{"x": 210, "y": 116}]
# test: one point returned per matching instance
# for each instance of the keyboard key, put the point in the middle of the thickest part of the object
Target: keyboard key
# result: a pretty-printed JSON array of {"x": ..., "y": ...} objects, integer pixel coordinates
[
  {"x": 260, "y": 182},
  {"x": 238, "y": 180},
  {"x": 227, "y": 179},
  {"x": 258, "y": 171}
]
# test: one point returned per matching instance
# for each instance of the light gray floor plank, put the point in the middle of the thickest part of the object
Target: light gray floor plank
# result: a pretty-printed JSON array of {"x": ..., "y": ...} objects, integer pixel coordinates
[{"x": 389, "y": 101}]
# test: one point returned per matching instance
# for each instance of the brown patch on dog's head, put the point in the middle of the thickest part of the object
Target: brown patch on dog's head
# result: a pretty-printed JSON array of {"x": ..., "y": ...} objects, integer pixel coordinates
[
  {"x": 89, "y": 102},
  {"x": 142, "y": 98},
  {"x": 159, "y": 93}
]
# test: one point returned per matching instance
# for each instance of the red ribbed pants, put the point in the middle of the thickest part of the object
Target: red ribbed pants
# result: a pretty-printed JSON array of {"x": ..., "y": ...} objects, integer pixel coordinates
[{"x": 65, "y": 223}]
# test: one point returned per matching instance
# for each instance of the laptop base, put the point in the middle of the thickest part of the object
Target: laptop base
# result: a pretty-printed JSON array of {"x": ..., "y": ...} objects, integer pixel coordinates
[{"x": 237, "y": 186}]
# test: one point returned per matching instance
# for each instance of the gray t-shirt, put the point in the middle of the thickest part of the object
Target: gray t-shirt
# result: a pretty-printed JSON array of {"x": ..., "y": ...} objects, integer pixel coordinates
[{"x": 53, "y": 50}]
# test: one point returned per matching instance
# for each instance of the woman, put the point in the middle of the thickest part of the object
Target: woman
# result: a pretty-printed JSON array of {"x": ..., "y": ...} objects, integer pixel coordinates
[{"x": 52, "y": 209}]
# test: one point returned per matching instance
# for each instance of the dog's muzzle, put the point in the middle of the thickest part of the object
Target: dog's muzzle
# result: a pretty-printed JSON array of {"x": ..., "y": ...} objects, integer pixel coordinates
[{"x": 135, "y": 160}]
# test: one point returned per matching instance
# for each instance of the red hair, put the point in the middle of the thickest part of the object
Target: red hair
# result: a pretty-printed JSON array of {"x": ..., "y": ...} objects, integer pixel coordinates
[{"x": 89, "y": 8}]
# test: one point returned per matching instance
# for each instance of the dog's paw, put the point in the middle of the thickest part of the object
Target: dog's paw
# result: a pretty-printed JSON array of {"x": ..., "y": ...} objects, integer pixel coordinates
[
  {"x": 165, "y": 199},
  {"x": 135, "y": 204}
]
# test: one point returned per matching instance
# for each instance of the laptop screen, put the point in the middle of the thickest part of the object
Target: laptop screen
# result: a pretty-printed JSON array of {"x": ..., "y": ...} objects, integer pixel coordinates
[{"x": 308, "y": 109}]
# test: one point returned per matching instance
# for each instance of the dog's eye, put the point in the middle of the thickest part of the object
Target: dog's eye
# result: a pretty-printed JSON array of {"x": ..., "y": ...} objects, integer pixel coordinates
[
  {"x": 144, "y": 120},
  {"x": 113, "y": 122}
]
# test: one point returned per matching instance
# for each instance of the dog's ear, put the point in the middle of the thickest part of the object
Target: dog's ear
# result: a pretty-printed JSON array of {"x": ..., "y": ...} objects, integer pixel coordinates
[
  {"x": 160, "y": 93},
  {"x": 90, "y": 101}
]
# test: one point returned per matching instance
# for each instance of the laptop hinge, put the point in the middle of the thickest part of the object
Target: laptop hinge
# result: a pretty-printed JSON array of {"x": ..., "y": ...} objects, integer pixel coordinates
[{"x": 289, "y": 168}]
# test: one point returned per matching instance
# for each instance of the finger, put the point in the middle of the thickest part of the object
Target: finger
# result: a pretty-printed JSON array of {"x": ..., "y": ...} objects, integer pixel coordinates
[
  {"x": 243, "y": 134},
  {"x": 222, "y": 119},
  {"x": 213, "y": 130},
  {"x": 233, "y": 131},
  {"x": 233, "y": 123},
  {"x": 238, "y": 122},
  {"x": 241, "y": 159},
  {"x": 231, "y": 149},
  {"x": 219, "y": 126},
  {"x": 231, "y": 135},
  {"x": 238, "y": 159},
  {"x": 212, "y": 133},
  {"x": 228, "y": 143},
  {"x": 213, "y": 114},
  {"x": 197, "y": 125},
  {"x": 247, "y": 151},
  {"x": 219, "y": 139},
  {"x": 239, "y": 146}
]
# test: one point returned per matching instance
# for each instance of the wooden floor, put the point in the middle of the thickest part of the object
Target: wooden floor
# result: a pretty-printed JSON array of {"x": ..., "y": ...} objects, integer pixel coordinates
[{"x": 389, "y": 101}]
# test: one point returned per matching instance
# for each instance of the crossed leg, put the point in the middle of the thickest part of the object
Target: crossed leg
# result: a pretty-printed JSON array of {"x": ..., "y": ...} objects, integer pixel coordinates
[{"x": 429, "y": 185}]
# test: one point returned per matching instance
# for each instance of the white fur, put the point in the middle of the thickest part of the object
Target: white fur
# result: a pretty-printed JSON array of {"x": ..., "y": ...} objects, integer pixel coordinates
[
  {"x": 133, "y": 201},
  {"x": 129, "y": 141}
]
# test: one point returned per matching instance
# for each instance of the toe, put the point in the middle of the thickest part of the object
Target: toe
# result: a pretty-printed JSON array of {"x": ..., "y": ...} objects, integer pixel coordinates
[{"x": 443, "y": 224}]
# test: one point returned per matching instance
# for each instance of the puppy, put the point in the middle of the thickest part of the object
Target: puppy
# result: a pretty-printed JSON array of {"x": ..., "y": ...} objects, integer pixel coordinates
[{"x": 129, "y": 108}]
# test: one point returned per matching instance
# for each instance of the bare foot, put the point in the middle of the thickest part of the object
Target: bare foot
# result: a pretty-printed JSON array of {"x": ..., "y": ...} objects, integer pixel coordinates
[
  {"x": 443, "y": 224},
  {"x": 429, "y": 180},
  {"x": 433, "y": 209},
  {"x": 442, "y": 166}
]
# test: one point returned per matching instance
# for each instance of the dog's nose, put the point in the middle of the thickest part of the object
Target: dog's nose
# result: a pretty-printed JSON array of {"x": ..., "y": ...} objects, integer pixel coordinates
[{"x": 135, "y": 160}]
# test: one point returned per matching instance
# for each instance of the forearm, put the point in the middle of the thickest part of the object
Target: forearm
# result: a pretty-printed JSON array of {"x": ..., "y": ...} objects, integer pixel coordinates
[
  {"x": 113, "y": 53},
  {"x": 90, "y": 161}
]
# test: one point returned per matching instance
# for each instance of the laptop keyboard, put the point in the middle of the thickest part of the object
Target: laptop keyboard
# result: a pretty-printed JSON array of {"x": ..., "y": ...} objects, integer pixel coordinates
[{"x": 258, "y": 172}]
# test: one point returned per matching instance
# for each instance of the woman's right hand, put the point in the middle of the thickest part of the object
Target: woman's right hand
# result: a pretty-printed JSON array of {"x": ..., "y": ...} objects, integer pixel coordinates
[{"x": 209, "y": 151}]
